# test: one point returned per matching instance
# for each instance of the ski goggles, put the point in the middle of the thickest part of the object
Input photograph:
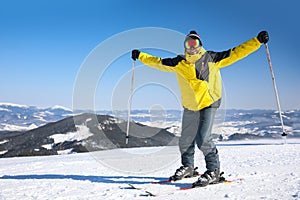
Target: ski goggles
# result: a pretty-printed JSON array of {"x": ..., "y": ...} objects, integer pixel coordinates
[{"x": 188, "y": 44}]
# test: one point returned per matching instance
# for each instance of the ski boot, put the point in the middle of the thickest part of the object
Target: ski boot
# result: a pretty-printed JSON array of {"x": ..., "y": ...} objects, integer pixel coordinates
[
  {"x": 209, "y": 177},
  {"x": 184, "y": 172}
]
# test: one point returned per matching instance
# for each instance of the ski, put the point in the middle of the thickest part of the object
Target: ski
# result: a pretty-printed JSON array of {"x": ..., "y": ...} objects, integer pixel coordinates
[
  {"x": 153, "y": 189},
  {"x": 190, "y": 187},
  {"x": 169, "y": 181},
  {"x": 167, "y": 187}
]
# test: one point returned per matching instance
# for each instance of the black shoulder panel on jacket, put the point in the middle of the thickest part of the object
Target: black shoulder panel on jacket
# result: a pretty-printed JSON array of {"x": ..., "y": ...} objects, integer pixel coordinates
[
  {"x": 172, "y": 62},
  {"x": 218, "y": 56}
]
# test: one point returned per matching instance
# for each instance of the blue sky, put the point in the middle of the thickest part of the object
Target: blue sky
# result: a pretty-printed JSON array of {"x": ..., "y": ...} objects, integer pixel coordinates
[{"x": 44, "y": 43}]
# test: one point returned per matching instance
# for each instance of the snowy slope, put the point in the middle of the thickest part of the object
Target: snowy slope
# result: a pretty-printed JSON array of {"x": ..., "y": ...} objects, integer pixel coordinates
[{"x": 271, "y": 171}]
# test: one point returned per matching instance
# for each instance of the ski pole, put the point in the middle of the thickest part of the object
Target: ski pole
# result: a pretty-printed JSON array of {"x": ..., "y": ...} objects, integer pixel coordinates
[
  {"x": 130, "y": 102},
  {"x": 275, "y": 89}
]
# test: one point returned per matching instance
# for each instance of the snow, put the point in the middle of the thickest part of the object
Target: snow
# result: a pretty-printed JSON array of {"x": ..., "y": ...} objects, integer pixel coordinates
[
  {"x": 3, "y": 152},
  {"x": 13, "y": 105},
  {"x": 32, "y": 126},
  {"x": 11, "y": 127},
  {"x": 171, "y": 126},
  {"x": 40, "y": 117},
  {"x": 4, "y": 109},
  {"x": 3, "y": 141},
  {"x": 64, "y": 152},
  {"x": 61, "y": 108},
  {"x": 82, "y": 132},
  {"x": 47, "y": 146},
  {"x": 271, "y": 170}
]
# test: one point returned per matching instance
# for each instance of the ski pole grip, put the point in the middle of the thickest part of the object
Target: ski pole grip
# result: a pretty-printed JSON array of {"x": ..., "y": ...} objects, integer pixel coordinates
[{"x": 284, "y": 134}]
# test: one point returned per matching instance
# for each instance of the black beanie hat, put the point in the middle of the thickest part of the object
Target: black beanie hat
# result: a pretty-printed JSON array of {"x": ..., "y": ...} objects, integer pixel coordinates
[{"x": 194, "y": 35}]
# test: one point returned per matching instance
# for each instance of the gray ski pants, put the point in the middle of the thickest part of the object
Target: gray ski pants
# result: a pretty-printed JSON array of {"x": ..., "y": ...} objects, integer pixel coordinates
[{"x": 196, "y": 129}]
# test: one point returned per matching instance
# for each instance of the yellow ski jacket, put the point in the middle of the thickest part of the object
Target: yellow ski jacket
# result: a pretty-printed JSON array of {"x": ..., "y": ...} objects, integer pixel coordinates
[{"x": 200, "y": 81}]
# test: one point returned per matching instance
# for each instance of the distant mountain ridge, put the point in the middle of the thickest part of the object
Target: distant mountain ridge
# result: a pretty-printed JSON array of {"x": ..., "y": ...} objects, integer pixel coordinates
[
  {"x": 15, "y": 117},
  {"x": 29, "y": 130},
  {"x": 20, "y": 118}
]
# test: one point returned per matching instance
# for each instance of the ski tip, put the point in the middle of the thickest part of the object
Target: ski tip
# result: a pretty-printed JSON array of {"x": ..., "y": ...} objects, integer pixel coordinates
[
  {"x": 186, "y": 188},
  {"x": 150, "y": 193},
  {"x": 160, "y": 182},
  {"x": 234, "y": 180}
]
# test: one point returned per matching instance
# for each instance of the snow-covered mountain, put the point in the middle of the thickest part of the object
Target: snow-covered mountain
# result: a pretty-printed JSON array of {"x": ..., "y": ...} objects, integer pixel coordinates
[
  {"x": 15, "y": 117},
  {"x": 82, "y": 133}
]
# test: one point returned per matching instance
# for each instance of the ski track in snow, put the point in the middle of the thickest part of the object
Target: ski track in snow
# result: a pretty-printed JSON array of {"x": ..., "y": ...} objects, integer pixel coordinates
[{"x": 269, "y": 172}]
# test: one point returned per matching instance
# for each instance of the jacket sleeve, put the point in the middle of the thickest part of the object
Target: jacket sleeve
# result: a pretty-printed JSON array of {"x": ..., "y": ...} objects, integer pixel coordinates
[
  {"x": 166, "y": 65},
  {"x": 225, "y": 58}
]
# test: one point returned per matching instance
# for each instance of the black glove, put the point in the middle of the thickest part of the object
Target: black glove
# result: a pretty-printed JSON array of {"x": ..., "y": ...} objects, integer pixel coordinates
[
  {"x": 135, "y": 54},
  {"x": 263, "y": 37}
]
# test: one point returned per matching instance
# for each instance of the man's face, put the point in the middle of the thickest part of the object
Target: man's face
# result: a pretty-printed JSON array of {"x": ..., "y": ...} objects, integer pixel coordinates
[{"x": 192, "y": 46}]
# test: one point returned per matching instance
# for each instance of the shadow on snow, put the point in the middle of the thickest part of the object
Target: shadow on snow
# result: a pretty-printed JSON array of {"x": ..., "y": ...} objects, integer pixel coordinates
[{"x": 135, "y": 180}]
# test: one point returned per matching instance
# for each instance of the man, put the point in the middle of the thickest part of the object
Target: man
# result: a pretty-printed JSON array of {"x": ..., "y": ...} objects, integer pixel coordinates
[{"x": 199, "y": 79}]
